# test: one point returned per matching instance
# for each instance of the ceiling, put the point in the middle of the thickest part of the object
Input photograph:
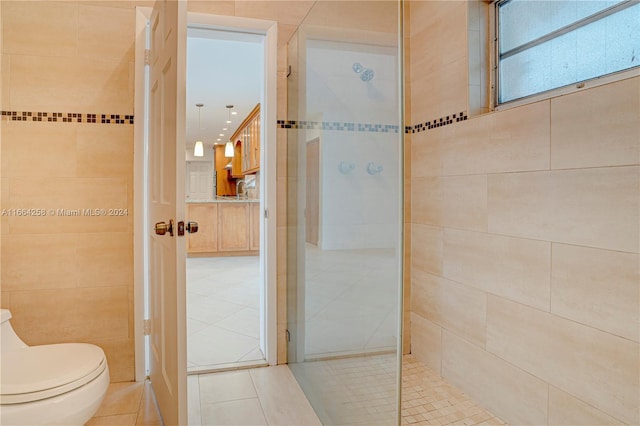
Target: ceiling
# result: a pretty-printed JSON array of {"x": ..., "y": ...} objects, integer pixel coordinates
[{"x": 223, "y": 68}]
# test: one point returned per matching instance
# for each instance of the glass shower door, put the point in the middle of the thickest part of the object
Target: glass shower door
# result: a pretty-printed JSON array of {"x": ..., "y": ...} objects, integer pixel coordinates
[{"x": 344, "y": 210}]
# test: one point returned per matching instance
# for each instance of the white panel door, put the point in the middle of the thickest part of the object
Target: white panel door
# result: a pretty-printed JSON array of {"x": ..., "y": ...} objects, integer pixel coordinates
[
  {"x": 167, "y": 294},
  {"x": 200, "y": 181}
]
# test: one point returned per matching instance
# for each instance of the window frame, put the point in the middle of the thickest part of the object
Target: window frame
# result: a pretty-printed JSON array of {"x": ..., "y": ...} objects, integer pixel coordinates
[{"x": 600, "y": 80}]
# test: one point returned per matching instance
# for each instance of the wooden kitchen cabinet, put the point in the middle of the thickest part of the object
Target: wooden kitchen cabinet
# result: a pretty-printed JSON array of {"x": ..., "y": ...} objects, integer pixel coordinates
[
  {"x": 247, "y": 136},
  {"x": 225, "y": 185},
  {"x": 236, "y": 162},
  {"x": 254, "y": 156},
  {"x": 233, "y": 222},
  {"x": 226, "y": 228},
  {"x": 206, "y": 239},
  {"x": 254, "y": 217}
]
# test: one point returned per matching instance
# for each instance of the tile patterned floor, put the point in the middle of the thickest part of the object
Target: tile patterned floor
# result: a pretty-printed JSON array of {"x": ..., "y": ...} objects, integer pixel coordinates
[
  {"x": 361, "y": 391},
  {"x": 350, "y": 301},
  {"x": 428, "y": 400},
  {"x": 223, "y": 298},
  {"x": 271, "y": 396},
  {"x": 127, "y": 404},
  {"x": 223, "y": 322},
  {"x": 350, "y": 306},
  {"x": 260, "y": 396},
  {"x": 351, "y": 391}
]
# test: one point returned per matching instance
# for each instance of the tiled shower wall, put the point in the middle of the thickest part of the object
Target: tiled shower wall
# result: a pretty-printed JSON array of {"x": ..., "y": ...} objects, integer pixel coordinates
[
  {"x": 69, "y": 278},
  {"x": 524, "y": 239}
]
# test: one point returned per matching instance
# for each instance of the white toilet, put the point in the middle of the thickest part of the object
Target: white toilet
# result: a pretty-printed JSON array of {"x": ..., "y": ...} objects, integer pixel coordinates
[{"x": 61, "y": 384}]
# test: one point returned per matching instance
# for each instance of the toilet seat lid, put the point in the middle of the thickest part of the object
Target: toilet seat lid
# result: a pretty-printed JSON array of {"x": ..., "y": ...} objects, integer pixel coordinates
[{"x": 38, "y": 372}]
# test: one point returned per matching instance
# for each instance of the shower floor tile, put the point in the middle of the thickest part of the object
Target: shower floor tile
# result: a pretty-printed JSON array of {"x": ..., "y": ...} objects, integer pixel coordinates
[
  {"x": 362, "y": 391},
  {"x": 428, "y": 400}
]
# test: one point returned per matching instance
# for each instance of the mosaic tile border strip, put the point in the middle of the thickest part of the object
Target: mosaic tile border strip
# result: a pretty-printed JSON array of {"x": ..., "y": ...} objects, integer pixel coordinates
[
  {"x": 67, "y": 117},
  {"x": 438, "y": 122},
  {"x": 337, "y": 125},
  {"x": 377, "y": 128},
  {"x": 72, "y": 117}
]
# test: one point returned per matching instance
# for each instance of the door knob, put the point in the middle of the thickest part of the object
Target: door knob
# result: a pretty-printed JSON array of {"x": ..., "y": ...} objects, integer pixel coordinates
[
  {"x": 192, "y": 227},
  {"x": 162, "y": 228}
]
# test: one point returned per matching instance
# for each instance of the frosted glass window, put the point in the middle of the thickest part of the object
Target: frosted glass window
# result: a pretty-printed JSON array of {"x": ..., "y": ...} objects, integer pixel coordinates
[{"x": 544, "y": 45}]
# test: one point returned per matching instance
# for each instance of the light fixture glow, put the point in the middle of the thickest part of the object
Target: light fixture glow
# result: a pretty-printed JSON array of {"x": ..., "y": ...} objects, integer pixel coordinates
[
  {"x": 234, "y": 113},
  {"x": 228, "y": 149},
  {"x": 198, "y": 148},
  {"x": 221, "y": 134},
  {"x": 218, "y": 139}
]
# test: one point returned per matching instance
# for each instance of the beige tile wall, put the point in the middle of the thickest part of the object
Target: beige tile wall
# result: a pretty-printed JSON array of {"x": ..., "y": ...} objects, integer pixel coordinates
[
  {"x": 453, "y": 306},
  {"x": 525, "y": 240},
  {"x": 440, "y": 68},
  {"x": 595, "y": 366},
  {"x": 70, "y": 278},
  {"x": 522, "y": 397}
]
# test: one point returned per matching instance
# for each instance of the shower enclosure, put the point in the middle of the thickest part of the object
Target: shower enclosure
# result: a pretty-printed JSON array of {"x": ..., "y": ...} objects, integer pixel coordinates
[{"x": 344, "y": 210}]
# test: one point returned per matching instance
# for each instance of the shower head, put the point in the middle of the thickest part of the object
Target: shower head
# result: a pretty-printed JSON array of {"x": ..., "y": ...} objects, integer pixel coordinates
[{"x": 366, "y": 74}]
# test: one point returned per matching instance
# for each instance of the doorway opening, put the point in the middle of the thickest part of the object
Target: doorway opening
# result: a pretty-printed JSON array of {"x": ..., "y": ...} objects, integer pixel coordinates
[
  {"x": 224, "y": 90},
  {"x": 257, "y": 189},
  {"x": 160, "y": 138}
]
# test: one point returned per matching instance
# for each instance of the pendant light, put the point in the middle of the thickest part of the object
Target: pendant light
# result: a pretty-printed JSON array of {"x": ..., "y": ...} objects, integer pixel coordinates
[
  {"x": 228, "y": 148},
  {"x": 198, "y": 149}
]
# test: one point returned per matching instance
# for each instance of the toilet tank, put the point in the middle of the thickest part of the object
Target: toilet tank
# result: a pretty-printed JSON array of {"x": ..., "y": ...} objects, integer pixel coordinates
[{"x": 9, "y": 340}]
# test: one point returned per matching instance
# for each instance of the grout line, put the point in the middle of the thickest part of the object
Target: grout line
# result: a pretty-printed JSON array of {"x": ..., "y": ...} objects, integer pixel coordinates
[
  {"x": 548, "y": 401},
  {"x": 255, "y": 389},
  {"x": 199, "y": 399},
  {"x": 144, "y": 389}
]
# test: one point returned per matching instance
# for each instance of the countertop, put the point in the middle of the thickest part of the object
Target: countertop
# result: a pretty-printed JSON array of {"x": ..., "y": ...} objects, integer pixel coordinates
[{"x": 224, "y": 199}]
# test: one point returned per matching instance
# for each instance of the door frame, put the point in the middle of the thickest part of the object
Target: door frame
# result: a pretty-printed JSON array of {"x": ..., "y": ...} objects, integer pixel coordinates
[{"x": 268, "y": 295}]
